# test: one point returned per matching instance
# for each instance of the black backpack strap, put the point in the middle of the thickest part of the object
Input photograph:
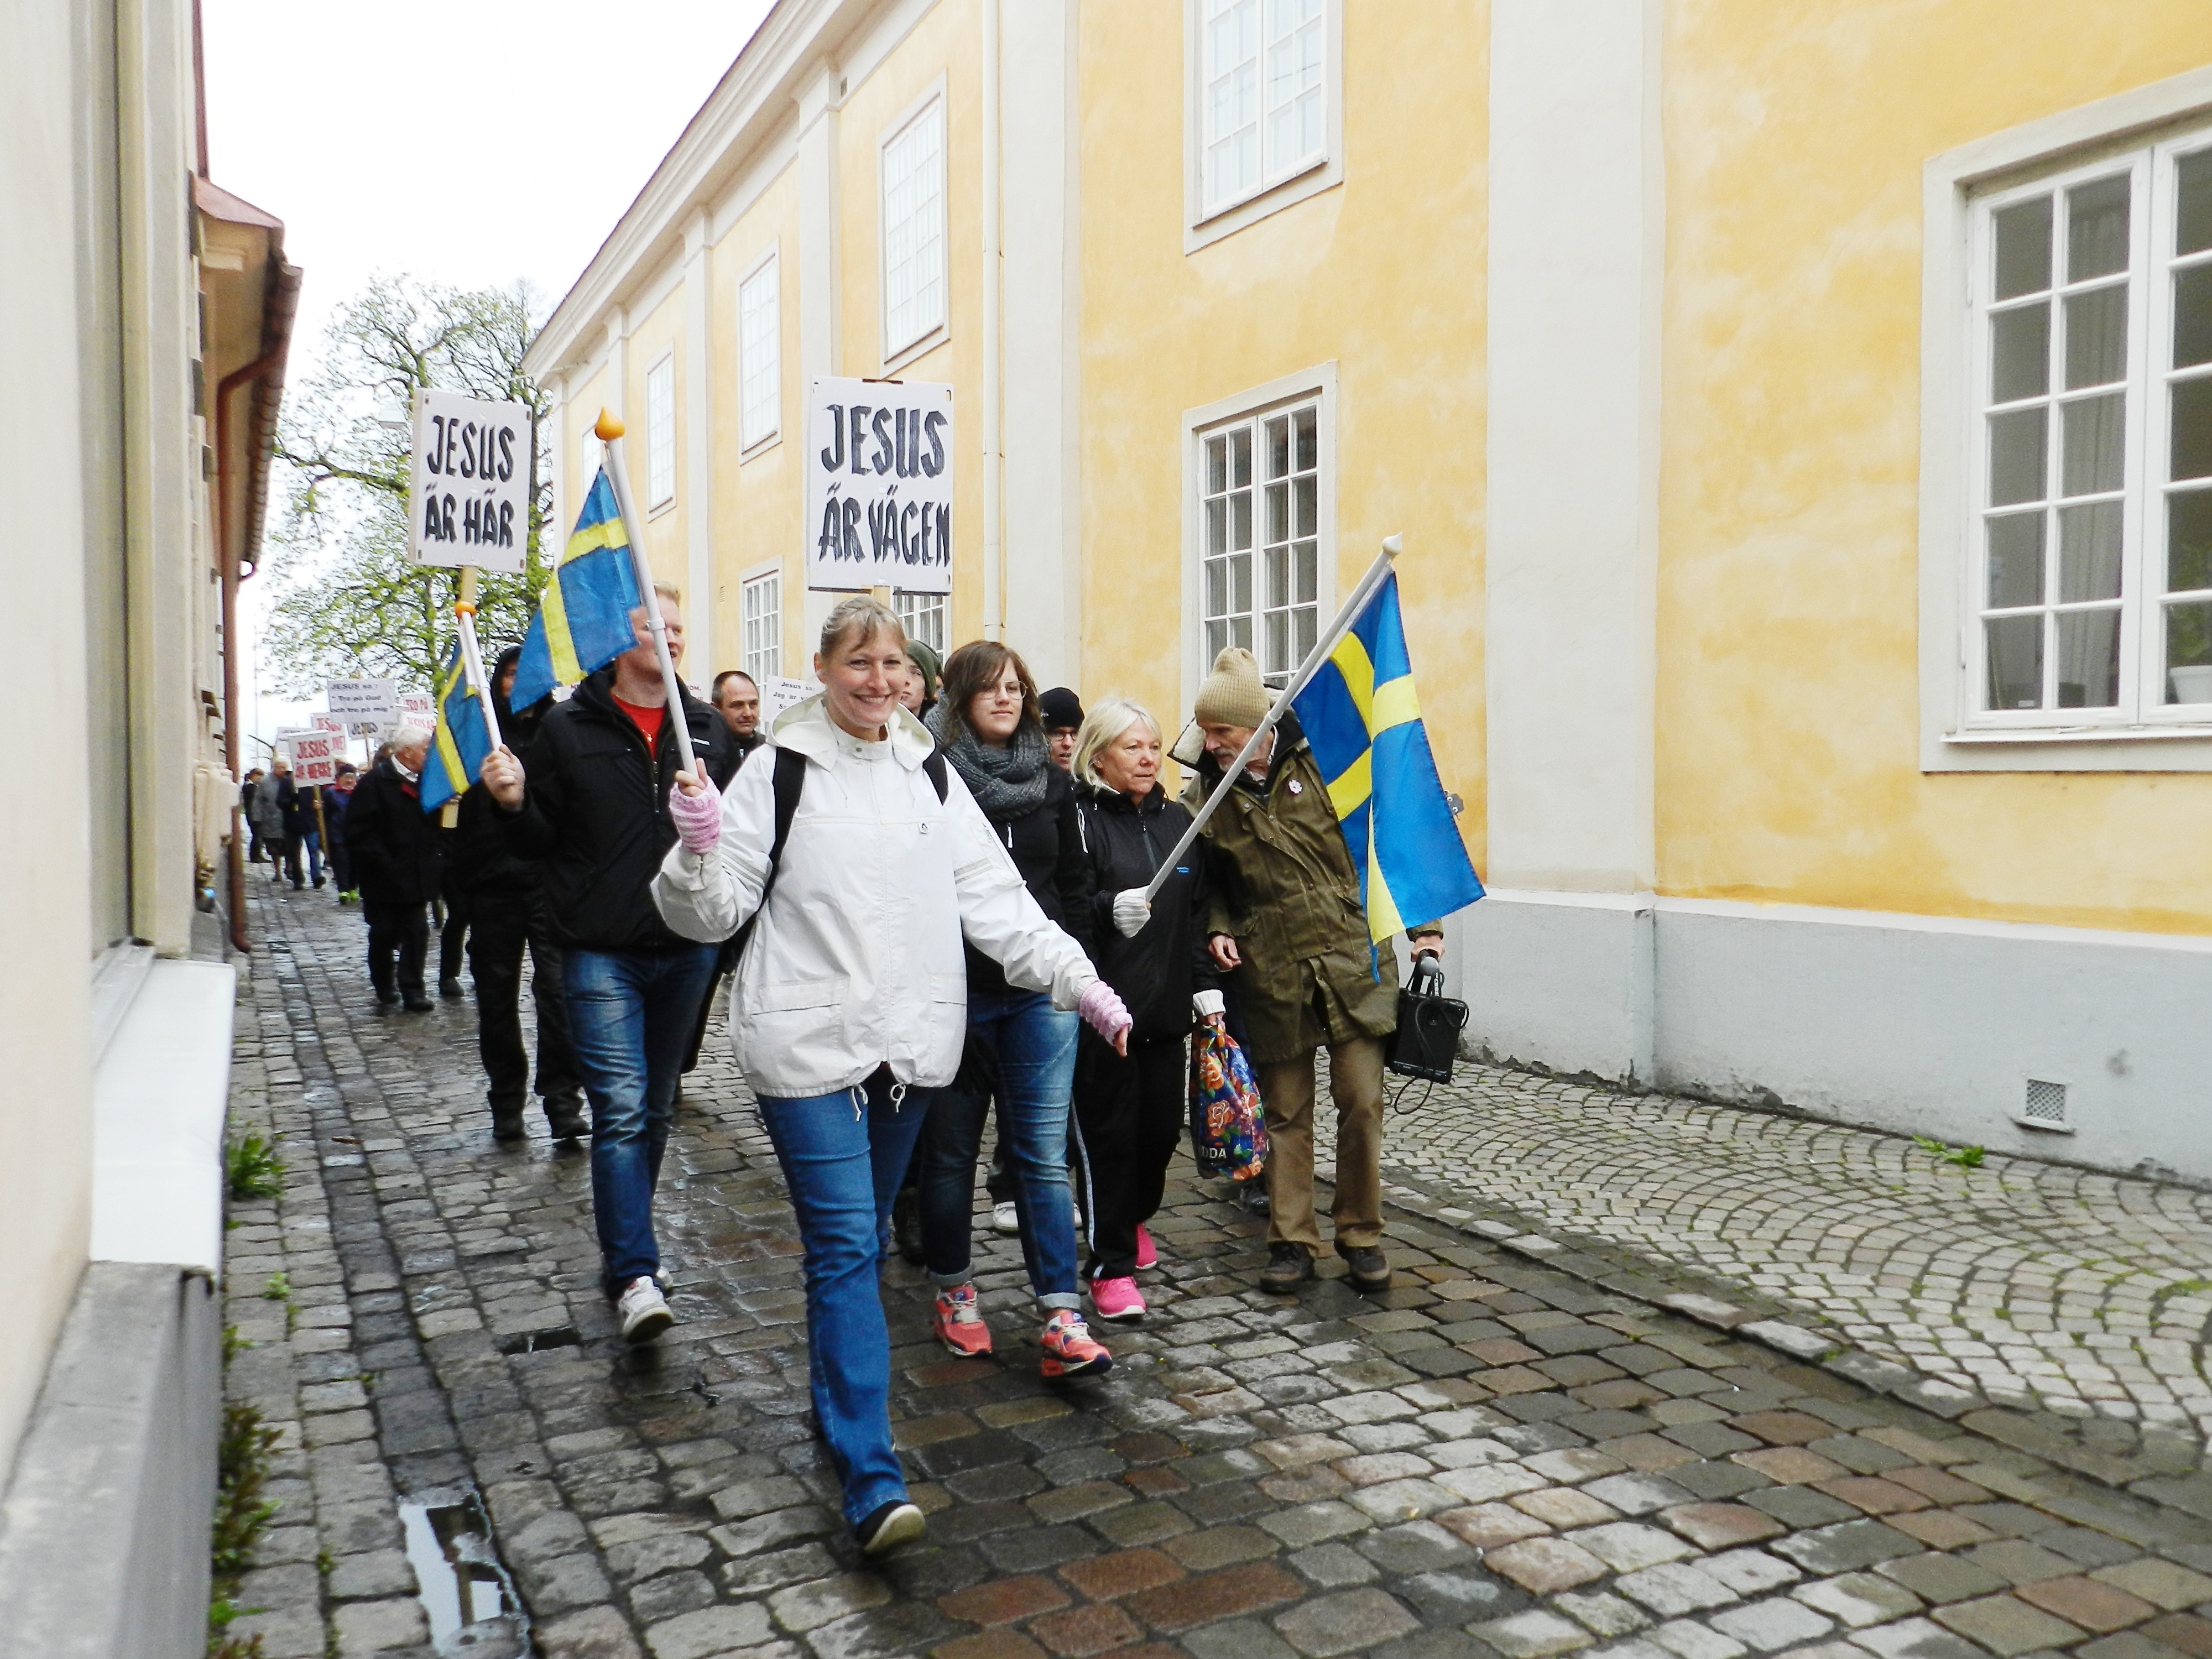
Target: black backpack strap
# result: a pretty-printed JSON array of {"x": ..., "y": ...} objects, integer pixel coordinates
[
  {"x": 790, "y": 779},
  {"x": 934, "y": 766}
]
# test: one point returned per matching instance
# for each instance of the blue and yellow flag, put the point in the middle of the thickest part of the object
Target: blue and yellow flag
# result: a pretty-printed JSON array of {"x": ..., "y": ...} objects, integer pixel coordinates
[
  {"x": 458, "y": 751},
  {"x": 583, "y": 615},
  {"x": 1364, "y": 721}
]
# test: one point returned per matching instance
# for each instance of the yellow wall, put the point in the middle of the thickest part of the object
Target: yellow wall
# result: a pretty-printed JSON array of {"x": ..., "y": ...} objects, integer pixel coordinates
[
  {"x": 654, "y": 334},
  {"x": 1788, "y": 711},
  {"x": 1383, "y": 274}
]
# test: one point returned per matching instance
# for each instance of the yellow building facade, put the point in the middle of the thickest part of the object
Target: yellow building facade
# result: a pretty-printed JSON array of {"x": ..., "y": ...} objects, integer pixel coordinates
[{"x": 1788, "y": 414}]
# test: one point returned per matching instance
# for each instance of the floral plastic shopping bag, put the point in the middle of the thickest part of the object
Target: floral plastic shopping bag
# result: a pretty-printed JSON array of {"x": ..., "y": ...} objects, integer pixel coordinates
[{"x": 1228, "y": 1125}]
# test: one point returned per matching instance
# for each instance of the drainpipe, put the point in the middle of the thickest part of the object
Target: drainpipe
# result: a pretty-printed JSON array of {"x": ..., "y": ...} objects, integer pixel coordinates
[
  {"x": 251, "y": 374},
  {"x": 994, "y": 586}
]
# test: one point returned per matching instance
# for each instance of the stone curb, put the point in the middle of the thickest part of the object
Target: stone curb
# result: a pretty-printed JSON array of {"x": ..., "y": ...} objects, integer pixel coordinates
[{"x": 2176, "y": 1488}]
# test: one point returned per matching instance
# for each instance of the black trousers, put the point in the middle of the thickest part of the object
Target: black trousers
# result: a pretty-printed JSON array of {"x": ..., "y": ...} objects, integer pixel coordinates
[
  {"x": 454, "y": 936},
  {"x": 502, "y": 925},
  {"x": 1129, "y": 1116},
  {"x": 400, "y": 930}
]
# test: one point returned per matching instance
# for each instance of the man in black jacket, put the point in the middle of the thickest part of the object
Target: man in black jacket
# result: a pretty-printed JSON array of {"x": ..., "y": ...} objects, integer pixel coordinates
[
  {"x": 593, "y": 805},
  {"x": 507, "y": 915},
  {"x": 397, "y": 860}
]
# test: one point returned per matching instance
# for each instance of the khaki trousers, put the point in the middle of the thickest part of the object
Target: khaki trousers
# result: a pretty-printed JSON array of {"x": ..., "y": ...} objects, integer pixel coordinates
[{"x": 1355, "y": 1084}]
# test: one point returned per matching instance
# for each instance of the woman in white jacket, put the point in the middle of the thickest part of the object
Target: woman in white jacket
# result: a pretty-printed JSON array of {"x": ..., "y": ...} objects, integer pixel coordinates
[{"x": 850, "y": 1003}]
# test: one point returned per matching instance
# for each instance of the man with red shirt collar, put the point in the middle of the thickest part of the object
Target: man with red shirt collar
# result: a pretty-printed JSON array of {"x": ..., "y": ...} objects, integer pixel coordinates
[
  {"x": 398, "y": 861},
  {"x": 594, "y": 808}
]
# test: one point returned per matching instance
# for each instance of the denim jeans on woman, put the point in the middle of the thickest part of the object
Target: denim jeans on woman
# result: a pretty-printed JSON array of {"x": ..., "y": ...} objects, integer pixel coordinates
[
  {"x": 842, "y": 1155},
  {"x": 630, "y": 1019},
  {"x": 1032, "y": 1047}
]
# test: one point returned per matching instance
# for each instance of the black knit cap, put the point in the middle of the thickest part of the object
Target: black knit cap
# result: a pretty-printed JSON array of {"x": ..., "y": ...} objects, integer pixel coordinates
[{"x": 1058, "y": 707}]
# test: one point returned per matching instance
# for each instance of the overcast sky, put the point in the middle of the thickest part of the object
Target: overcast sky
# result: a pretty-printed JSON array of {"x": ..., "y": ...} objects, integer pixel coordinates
[{"x": 471, "y": 141}]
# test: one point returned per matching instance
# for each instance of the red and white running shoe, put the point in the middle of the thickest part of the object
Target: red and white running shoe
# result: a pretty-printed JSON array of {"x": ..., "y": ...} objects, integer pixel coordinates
[
  {"x": 1069, "y": 1349},
  {"x": 959, "y": 1322}
]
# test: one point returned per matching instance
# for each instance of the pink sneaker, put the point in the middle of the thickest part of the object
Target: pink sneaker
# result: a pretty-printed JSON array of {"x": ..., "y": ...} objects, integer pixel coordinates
[
  {"x": 1146, "y": 1255},
  {"x": 1117, "y": 1298}
]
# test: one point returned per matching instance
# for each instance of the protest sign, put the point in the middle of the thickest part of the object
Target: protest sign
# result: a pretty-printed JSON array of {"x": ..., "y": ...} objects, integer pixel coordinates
[
  {"x": 416, "y": 709},
  {"x": 323, "y": 721},
  {"x": 878, "y": 458},
  {"x": 315, "y": 757},
  {"x": 363, "y": 704},
  {"x": 778, "y": 694},
  {"x": 468, "y": 499}
]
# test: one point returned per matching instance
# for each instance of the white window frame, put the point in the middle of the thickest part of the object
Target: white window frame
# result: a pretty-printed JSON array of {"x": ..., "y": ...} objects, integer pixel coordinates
[
  {"x": 925, "y": 617},
  {"x": 661, "y": 436},
  {"x": 902, "y": 345},
  {"x": 760, "y": 644},
  {"x": 1958, "y": 190},
  {"x": 1316, "y": 385},
  {"x": 767, "y": 271},
  {"x": 1207, "y": 221}
]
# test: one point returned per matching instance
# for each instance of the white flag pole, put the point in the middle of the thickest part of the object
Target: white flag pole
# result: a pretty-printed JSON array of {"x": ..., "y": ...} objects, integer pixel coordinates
[
  {"x": 1347, "y": 614},
  {"x": 610, "y": 431},
  {"x": 464, "y": 613}
]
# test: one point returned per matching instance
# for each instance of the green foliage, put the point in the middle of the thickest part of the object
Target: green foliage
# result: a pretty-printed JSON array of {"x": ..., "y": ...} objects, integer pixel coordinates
[
  {"x": 347, "y": 599},
  {"x": 240, "y": 1512},
  {"x": 233, "y": 1345},
  {"x": 278, "y": 1289},
  {"x": 1966, "y": 1158},
  {"x": 254, "y": 1168}
]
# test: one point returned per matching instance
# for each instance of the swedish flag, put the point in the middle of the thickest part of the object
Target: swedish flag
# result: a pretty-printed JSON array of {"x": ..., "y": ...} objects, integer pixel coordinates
[
  {"x": 583, "y": 615},
  {"x": 1364, "y": 721},
  {"x": 457, "y": 754}
]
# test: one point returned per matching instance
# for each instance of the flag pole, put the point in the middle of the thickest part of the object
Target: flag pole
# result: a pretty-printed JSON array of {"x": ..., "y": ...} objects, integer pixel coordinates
[
  {"x": 464, "y": 613},
  {"x": 610, "y": 431},
  {"x": 1377, "y": 572}
]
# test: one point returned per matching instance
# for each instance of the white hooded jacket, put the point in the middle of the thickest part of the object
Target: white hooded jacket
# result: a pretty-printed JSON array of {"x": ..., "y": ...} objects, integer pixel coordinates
[{"x": 855, "y": 962}]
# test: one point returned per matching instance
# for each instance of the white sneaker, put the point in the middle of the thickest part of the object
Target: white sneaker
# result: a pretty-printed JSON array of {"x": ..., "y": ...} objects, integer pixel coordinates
[
  {"x": 643, "y": 1311},
  {"x": 1006, "y": 1219}
]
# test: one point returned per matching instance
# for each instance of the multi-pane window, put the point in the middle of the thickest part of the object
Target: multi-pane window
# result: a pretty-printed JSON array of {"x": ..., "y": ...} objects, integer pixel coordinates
[
  {"x": 2092, "y": 380},
  {"x": 922, "y": 616},
  {"x": 760, "y": 355},
  {"x": 914, "y": 229},
  {"x": 1260, "y": 552},
  {"x": 1264, "y": 94},
  {"x": 760, "y": 631},
  {"x": 660, "y": 433}
]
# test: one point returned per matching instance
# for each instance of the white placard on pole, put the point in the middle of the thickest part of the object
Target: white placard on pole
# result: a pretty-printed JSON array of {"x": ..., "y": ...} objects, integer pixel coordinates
[
  {"x": 363, "y": 703},
  {"x": 878, "y": 458},
  {"x": 417, "y": 708},
  {"x": 323, "y": 721},
  {"x": 315, "y": 757},
  {"x": 468, "y": 500}
]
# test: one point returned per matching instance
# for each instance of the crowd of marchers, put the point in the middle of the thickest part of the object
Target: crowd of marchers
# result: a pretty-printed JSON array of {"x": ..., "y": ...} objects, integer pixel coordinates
[{"x": 926, "y": 890}]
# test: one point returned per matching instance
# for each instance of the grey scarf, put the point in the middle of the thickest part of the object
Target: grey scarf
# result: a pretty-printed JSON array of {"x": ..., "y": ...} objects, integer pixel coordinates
[{"x": 1005, "y": 783}]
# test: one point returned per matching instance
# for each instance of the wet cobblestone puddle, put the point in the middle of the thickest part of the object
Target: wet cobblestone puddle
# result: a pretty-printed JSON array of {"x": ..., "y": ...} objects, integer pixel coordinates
[{"x": 1501, "y": 1458}]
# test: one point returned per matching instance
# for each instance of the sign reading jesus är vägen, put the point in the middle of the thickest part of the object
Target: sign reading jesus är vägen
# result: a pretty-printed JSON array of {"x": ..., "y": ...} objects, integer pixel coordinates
[{"x": 879, "y": 486}]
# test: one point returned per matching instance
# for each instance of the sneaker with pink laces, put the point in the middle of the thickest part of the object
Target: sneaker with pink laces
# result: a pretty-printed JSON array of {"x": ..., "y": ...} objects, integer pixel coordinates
[
  {"x": 1070, "y": 1350},
  {"x": 1117, "y": 1298},
  {"x": 959, "y": 1322},
  {"x": 1146, "y": 1255}
]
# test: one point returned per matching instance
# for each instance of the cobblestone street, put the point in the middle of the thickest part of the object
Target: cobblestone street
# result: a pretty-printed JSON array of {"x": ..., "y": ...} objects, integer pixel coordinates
[{"x": 1512, "y": 1455}]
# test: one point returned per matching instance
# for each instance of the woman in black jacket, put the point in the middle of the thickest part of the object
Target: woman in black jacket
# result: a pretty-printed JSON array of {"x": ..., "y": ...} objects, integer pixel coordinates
[
  {"x": 987, "y": 720},
  {"x": 1129, "y": 1111}
]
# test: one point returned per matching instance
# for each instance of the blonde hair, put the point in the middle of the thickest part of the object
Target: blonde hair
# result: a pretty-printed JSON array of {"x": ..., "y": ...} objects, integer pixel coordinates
[
  {"x": 1104, "y": 724},
  {"x": 860, "y": 617}
]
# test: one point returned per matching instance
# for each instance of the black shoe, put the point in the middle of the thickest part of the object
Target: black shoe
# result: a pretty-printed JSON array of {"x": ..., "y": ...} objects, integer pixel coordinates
[
  {"x": 1288, "y": 1265},
  {"x": 416, "y": 1003},
  {"x": 318, "y": 882},
  {"x": 565, "y": 1118},
  {"x": 1369, "y": 1268},
  {"x": 507, "y": 1120},
  {"x": 894, "y": 1523},
  {"x": 906, "y": 1225},
  {"x": 1254, "y": 1197},
  {"x": 389, "y": 998},
  {"x": 449, "y": 986}
]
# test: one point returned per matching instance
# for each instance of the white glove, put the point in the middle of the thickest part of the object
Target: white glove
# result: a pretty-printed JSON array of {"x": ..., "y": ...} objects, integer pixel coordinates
[
  {"x": 1132, "y": 910},
  {"x": 1206, "y": 1004}
]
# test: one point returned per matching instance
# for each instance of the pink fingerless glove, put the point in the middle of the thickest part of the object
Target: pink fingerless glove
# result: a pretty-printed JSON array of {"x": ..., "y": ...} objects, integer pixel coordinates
[
  {"x": 698, "y": 818},
  {"x": 1102, "y": 1010}
]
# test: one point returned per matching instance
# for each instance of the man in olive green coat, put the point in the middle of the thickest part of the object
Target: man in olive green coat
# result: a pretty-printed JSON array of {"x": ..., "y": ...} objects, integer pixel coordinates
[{"x": 1288, "y": 926}]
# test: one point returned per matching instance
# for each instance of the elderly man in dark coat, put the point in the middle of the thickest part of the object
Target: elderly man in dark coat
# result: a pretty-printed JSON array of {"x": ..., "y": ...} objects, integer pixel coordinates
[{"x": 398, "y": 860}]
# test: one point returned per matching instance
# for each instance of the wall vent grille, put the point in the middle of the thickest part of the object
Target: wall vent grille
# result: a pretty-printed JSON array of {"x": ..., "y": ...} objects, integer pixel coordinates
[{"x": 2044, "y": 1105}]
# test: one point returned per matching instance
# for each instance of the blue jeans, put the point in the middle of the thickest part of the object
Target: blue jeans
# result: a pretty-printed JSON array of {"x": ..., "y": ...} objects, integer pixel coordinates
[
  {"x": 842, "y": 1155},
  {"x": 630, "y": 1014},
  {"x": 1033, "y": 1045}
]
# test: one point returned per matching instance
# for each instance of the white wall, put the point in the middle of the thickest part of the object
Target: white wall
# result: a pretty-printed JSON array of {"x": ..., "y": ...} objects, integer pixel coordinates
[{"x": 45, "y": 943}]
